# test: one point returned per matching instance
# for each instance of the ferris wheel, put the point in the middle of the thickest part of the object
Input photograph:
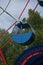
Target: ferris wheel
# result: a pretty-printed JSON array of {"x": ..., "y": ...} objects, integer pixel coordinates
[{"x": 21, "y": 37}]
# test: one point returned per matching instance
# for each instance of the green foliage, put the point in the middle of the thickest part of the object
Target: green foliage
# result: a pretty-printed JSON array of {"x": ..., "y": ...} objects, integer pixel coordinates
[
  {"x": 37, "y": 22},
  {"x": 11, "y": 51},
  {"x": 24, "y": 19}
]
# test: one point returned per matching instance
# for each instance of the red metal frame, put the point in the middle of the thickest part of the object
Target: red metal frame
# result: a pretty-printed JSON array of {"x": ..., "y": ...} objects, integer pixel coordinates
[{"x": 3, "y": 57}]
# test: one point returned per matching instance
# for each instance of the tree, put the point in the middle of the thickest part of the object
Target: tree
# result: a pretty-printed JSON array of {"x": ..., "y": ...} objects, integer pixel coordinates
[{"x": 37, "y": 22}]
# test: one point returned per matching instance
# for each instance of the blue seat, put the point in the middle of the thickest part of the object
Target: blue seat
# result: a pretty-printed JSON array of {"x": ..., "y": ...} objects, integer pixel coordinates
[{"x": 25, "y": 38}]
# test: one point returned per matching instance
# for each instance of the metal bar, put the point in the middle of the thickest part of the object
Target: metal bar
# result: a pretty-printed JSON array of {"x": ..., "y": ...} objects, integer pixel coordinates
[
  {"x": 9, "y": 14},
  {"x": 6, "y": 7}
]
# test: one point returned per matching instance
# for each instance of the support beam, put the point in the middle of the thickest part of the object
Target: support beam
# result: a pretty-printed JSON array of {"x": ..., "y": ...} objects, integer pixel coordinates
[{"x": 2, "y": 57}]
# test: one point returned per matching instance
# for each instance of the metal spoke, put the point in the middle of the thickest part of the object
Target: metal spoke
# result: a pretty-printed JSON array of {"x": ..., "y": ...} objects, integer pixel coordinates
[
  {"x": 10, "y": 14},
  {"x": 6, "y": 7}
]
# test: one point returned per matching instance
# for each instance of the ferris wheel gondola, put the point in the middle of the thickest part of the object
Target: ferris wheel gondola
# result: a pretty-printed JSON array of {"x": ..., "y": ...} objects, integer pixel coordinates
[
  {"x": 40, "y": 2},
  {"x": 31, "y": 56},
  {"x": 23, "y": 38}
]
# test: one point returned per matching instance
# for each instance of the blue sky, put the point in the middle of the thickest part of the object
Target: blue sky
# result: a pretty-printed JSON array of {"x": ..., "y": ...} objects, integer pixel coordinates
[{"x": 15, "y": 8}]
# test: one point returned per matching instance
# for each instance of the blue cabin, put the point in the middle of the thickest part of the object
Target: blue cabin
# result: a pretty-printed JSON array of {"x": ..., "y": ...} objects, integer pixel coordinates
[
  {"x": 40, "y": 2},
  {"x": 23, "y": 38}
]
